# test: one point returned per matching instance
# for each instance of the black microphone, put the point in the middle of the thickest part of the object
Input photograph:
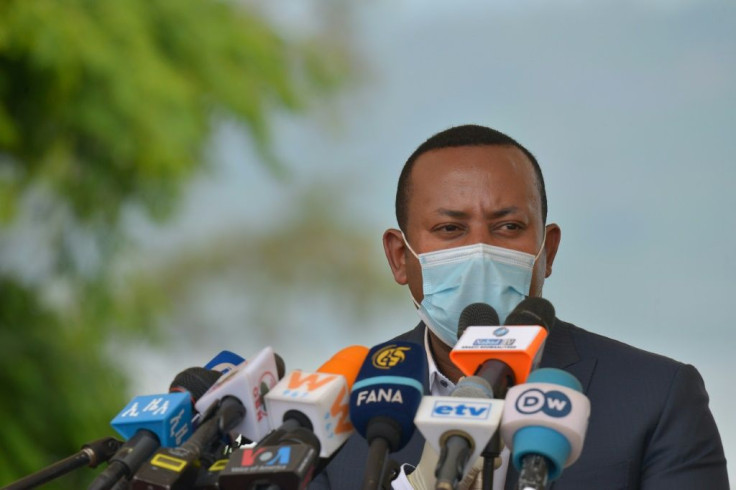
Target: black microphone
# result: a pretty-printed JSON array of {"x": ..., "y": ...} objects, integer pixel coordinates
[
  {"x": 286, "y": 459},
  {"x": 533, "y": 311},
  {"x": 92, "y": 454},
  {"x": 477, "y": 314},
  {"x": 195, "y": 381}
]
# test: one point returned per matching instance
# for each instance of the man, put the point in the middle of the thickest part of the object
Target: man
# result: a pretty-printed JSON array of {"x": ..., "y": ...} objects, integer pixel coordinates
[{"x": 471, "y": 207}]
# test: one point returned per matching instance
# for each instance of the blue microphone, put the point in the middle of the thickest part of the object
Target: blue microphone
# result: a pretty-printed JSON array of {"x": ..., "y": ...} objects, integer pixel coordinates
[
  {"x": 384, "y": 400},
  {"x": 151, "y": 421},
  {"x": 146, "y": 422},
  {"x": 224, "y": 362}
]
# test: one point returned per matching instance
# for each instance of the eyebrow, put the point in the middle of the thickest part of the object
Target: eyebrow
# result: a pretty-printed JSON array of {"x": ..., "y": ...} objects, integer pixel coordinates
[{"x": 499, "y": 213}]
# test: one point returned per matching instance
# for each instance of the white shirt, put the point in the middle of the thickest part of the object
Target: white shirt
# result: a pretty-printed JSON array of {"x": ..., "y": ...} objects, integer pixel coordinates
[{"x": 439, "y": 385}]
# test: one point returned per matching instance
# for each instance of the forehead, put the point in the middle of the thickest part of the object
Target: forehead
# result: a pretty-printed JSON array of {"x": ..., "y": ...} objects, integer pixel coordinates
[{"x": 468, "y": 176}]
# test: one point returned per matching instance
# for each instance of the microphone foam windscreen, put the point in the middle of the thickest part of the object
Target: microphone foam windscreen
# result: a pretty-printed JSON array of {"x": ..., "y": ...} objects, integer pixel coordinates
[
  {"x": 473, "y": 387},
  {"x": 195, "y": 380},
  {"x": 389, "y": 385},
  {"x": 346, "y": 362},
  {"x": 477, "y": 314},
  {"x": 280, "y": 365},
  {"x": 533, "y": 311}
]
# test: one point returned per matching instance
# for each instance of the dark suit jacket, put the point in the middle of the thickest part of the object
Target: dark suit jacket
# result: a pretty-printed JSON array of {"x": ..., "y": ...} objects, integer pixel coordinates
[{"x": 650, "y": 426}]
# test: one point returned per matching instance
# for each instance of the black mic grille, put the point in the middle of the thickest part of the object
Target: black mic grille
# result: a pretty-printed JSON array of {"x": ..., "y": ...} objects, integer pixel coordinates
[
  {"x": 195, "y": 380},
  {"x": 280, "y": 365},
  {"x": 478, "y": 314},
  {"x": 533, "y": 311}
]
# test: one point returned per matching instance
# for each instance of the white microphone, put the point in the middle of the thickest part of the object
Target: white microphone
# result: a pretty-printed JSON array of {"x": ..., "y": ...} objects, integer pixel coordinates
[
  {"x": 459, "y": 427},
  {"x": 544, "y": 425},
  {"x": 320, "y": 399},
  {"x": 248, "y": 382}
]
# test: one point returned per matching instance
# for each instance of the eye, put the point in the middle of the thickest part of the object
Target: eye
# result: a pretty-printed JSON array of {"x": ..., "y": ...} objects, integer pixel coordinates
[
  {"x": 509, "y": 228},
  {"x": 448, "y": 229}
]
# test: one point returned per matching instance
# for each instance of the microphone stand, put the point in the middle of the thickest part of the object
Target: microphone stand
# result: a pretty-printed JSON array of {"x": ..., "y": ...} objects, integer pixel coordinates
[
  {"x": 91, "y": 454},
  {"x": 490, "y": 453}
]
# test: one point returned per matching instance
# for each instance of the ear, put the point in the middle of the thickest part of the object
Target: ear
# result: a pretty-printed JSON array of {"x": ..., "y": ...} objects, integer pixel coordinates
[
  {"x": 395, "y": 249},
  {"x": 551, "y": 244}
]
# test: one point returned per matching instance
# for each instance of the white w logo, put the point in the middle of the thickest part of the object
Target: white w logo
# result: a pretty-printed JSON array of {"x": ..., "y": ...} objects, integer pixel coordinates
[{"x": 556, "y": 404}]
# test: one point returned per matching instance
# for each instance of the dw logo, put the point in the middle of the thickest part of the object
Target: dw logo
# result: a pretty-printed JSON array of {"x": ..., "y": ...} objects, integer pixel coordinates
[{"x": 553, "y": 403}]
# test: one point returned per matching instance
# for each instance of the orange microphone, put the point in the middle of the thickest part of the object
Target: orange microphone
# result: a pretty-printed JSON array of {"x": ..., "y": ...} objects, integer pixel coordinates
[
  {"x": 346, "y": 362},
  {"x": 503, "y": 355}
]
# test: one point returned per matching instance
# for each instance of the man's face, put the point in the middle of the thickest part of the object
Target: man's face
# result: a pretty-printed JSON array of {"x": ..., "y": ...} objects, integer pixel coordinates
[{"x": 467, "y": 195}]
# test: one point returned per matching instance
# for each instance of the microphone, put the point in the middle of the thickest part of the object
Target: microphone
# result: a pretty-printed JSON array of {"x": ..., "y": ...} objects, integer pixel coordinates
[
  {"x": 171, "y": 468},
  {"x": 459, "y": 427},
  {"x": 285, "y": 460},
  {"x": 92, "y": 454},
  {"x": 319, "y": 401},
  {"x": 384, "y": 400},
  {"x": 210, "y": 473},
  {"x": 153, "y": 420},
  {"x": 544, "y": 424},
  {"x": 248, "y": 382},
  {"x": 503, "y": 355},
  {"x": 222, "y": 409},
  {"x": 146, "y": 422},
  {"x": 224, "y": 362},
  {"x": 533, "y": 311},
  {"x": 194, "y": 381},
  {"x": 312, "y": 410}
]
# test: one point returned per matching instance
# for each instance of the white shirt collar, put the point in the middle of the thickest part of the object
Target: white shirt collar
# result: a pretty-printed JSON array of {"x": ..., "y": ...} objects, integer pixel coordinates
[{"x": 439, "y": 385}]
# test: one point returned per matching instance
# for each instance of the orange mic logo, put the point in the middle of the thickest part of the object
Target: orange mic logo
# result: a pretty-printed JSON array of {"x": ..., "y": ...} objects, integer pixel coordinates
[
  {"x": 340, "y": 409},
  {"x": 308, "y": 382}
]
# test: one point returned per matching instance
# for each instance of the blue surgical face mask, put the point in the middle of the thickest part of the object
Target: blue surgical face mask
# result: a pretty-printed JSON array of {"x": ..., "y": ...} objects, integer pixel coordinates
[{"x": 454, "y": 278}]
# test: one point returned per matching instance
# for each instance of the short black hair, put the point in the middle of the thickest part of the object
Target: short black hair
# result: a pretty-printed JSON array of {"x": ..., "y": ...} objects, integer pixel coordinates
[{"x": 466, "y": 135}]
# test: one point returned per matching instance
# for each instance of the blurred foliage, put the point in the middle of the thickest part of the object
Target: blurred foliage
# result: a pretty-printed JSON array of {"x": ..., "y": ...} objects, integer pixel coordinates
[
  {"x": 58, "y": 387},
  {"x": 107, "y": 101},
  {"x": 107, "y": 105}
]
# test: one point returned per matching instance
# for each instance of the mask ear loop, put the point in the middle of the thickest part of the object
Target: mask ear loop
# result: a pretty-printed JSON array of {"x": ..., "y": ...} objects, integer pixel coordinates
[
  {"x": 406, "y": 242},
  {"x": 541, "y": 249},
  {"x": 539, "y": 254}
]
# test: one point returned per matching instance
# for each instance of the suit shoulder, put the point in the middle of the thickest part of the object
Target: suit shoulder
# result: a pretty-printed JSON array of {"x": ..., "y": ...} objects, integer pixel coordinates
[
  {"x": 626, "y": 356},
  {"x": 415, "y": 335}
]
